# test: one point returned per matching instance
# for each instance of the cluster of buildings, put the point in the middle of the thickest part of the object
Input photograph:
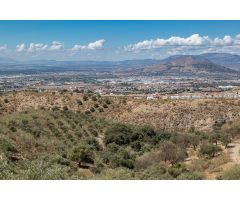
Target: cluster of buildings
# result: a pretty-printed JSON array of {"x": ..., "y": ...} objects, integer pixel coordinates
[{"x": 188, "y": 96}]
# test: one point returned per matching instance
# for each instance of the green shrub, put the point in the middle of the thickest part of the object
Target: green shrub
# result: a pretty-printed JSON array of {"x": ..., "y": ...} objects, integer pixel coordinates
[
  {"x": 105, "y": 106},
  {"x": 83, "y": 153},
  {"x": 79, "y": 102},
  {"x": 119, "y": 134},
  {"x": 231, "y": 174},
  {"x": 85, "y": 98},
  {"x": 177, "y": 170},
  {"x": 94, "y": 98},
  {"x": 148, "y": 159},
  {"x": 225, "y": 139},
  {"x": 155, "y": 172},
  {"x": 101, "y": 110},
  {"x": 87, "y": 112},
  {"x": 65, "y": 108},
  {"x": 209, "y": 150},
  {"x": 116, "y": 174},
  {"x": 194, "y": 140},
  {"x": 7, "y": 146},
  {"x": 190, "y": 176},
  {"x": 96, "y": 105},
  {"x": 108, "y": 101},
  {"x": 115, "y": 156},
  {"x": 92, "y": 109},
  {"x": 172, "y": 153},
  {"x": 148, "y": 130}
]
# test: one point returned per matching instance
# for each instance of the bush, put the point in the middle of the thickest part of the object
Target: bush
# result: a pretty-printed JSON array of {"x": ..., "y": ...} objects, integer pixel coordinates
[
  {"x": 79, "y": 102},
  {"x": 115, "y": 156},
  {"x": 65, "y": 108},
  {"x": 92, "y": 109},
  {"x": 93, "y": 143},
  {"x": 85, "y": 98},
  {"x": 107, "y": 101},
  {"x": 177, "y": 170},
  {"x": 96, "y": 105},
  {"x": 194, "y": 140},
  {"x": 209, "y": 150},
  {"x": 119, "y": 134},
  {"x": 83, "y": 153},
  {"x": 172, "y": 153},
  {"x": 116, "y": 174},
  {"x": 105, "y": 105},
  {"x": 7, "y": 147},
  {"x": 87, "y": 112},
  {"x": 148, "y": 130},
  {"x": 225, "y": 139},
  {"x": 13, "y": 129},
  {"x": 101, "y": 110},
  {"x": 182, "y": 140},
  {"x": 148, "y": 159},
  {"x": 190, "y": 176},
  {"x": 136, "y": 146},
  {"x": 155, "y": 172},
  {"x": 231, "y": 174},
  {"x": 94, "y": 98},
  {"x": 214, "y": 138}
]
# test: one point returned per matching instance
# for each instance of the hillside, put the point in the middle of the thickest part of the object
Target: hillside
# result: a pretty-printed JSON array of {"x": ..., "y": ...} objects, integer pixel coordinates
[
  {"x": 187, "y": 64},
  {"x": 55, "y": 144},
  {"x": 169, "y": 115},
  {"x": 177, "y": 115},
  {"x": 231, "y": 61},
  {"x": 85, "y": 136}
]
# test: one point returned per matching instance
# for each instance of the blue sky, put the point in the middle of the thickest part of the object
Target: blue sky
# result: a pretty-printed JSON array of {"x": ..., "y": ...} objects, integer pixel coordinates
[{"x": 115, "y": 40}]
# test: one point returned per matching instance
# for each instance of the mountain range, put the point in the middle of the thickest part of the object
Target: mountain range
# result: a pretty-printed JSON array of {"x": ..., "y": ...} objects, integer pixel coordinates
[{"x": 203, "y": 63}]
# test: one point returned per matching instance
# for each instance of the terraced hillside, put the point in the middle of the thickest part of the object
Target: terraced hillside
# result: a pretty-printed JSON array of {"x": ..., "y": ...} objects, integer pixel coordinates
[
  {"x": 168, "y": 115},
  {"x": 86, "y": 136}
]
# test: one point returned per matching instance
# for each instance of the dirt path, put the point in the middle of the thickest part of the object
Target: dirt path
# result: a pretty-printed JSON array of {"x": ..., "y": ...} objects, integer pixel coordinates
[{"x": 234, "y": 151}]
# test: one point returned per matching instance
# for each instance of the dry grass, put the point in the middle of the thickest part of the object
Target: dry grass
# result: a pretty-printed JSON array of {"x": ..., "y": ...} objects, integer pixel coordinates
[{"x": 169, "y": 115}]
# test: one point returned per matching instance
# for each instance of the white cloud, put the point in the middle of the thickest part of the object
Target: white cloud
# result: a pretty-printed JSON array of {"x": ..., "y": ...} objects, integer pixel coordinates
[
  {"x": 37, "y": 47},
  {"x": 56, "y": 45},
  {"x": 20, "y": 47},
  {"x": 99, "y": 44},
  {"x": 191, "y": 41}
]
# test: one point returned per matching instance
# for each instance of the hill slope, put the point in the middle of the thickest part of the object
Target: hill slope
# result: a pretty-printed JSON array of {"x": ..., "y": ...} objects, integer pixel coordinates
[
  {"x": 225, "y": 59},
  {"x": 187, "y": 64},
  {"x": 170, "y": 115}
]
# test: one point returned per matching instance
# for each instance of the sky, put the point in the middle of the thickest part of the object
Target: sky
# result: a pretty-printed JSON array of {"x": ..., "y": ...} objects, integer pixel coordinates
[{"x": 115, "y": 40}]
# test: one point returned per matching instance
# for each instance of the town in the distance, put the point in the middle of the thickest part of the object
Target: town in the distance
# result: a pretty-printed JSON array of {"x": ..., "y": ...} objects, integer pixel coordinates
[{"x": 204, "y": 76}]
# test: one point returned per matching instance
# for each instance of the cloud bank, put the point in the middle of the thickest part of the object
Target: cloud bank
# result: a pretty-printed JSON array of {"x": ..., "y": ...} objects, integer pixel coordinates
[
  {"x": 153, "y": 48},
  {"x": 194, "y": 40},
  {"x": 91, "y": 46},
  {"x": 56, "y": 46}
]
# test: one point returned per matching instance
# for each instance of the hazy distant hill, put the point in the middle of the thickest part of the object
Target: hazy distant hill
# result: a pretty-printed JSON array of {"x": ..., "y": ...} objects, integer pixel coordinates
[
  {"x": 187, "y": 64},
  {"x": 5, "y": 60},
  {"x": 8, "y": 65},
  {"x": 224, "y": 59},
  {"x": 204, "y": 63}
]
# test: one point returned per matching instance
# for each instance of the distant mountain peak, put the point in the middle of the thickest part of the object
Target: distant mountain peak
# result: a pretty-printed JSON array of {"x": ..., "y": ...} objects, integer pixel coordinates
[{"x": 187, "y": 64}]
